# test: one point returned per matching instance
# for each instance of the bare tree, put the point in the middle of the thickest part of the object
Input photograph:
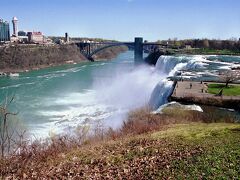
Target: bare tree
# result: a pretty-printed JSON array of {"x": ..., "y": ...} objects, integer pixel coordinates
[
  {"x": 230, "y": 76},
  {"x": 6, "y": 132}
]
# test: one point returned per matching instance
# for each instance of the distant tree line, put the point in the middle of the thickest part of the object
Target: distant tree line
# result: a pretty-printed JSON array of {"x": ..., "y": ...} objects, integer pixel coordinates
[
  {"x": 232, "y": 44},
  {"x": 57, "y": 38}
]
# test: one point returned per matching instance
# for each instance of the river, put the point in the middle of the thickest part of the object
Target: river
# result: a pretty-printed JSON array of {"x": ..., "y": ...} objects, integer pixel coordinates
[{"x": 59, "y": 99}]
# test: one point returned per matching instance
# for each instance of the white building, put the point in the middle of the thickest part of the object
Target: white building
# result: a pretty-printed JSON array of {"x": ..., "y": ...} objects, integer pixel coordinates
[
  {"x": 15, "y": 26},
  {"x": 35, "y": 37}
]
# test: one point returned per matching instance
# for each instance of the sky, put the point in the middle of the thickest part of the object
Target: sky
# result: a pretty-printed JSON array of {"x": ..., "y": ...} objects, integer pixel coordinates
[{"x": 125, "y": 19}]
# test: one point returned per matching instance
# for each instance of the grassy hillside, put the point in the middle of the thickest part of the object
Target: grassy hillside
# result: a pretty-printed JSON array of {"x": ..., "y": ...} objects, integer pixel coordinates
[
  {"x": 231, "y": 90},
  {"x": 172, "y": 145},
  {"x": 182, "y": 151}
]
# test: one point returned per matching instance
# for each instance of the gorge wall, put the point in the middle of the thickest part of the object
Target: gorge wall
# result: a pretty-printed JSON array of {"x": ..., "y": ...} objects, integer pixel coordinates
[
  {"x": 19, "y": 58},
  {"x": 109, "y": 53},
  {"x": 153, "y": 57}
]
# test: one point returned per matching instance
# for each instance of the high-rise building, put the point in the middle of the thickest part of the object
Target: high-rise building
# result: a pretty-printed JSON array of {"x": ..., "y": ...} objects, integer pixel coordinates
[
  {"x": 66, "y": 38},
  {"x": 15, "y": 26},
  {"x": 4, "y": 31}
]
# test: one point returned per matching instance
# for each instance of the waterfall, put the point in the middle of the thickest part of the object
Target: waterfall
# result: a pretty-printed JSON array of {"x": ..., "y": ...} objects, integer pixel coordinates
[
  {"x": 160, "y": 94},
  {"x": 127, "y": 89},
  {"x": 168, "y": 66}
]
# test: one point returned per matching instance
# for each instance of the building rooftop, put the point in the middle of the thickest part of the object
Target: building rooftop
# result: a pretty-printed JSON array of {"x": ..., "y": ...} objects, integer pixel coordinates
[
  {"x": 15, "y": 18},
  {"x": 2, "y": 21},
  {"x": 35, "y": 33}
]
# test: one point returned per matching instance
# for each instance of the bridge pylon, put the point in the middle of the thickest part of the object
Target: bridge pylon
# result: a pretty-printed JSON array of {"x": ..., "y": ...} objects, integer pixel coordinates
[{"x": 138, "y": 50}]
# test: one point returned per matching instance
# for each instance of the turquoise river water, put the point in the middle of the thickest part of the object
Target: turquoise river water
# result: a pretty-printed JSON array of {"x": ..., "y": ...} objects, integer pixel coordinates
[{"x": 59, "y": 99}]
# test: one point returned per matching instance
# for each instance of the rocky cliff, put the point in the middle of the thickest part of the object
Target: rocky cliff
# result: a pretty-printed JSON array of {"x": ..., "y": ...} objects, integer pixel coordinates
[
  {"x": 28, "y": 57},
  {"x": 152, "y": 58},
  {"x": 109, "y": 53},
  {"x": 20, "y": 58}
]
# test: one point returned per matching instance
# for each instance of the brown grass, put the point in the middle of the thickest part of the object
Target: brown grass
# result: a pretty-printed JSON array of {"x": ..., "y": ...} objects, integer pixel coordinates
[
  {"x": 142, "y": 120},
  {"x": 41, "y": 153}
]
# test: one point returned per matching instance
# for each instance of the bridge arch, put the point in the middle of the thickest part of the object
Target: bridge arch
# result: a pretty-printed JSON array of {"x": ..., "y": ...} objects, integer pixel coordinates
[
  {"x": 88, "y": 49},
  {"x": 114, "y": 45}
]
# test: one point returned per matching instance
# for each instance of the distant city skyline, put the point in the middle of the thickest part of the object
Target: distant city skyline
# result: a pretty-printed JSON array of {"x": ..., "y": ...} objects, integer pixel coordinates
[{"x": 125, "y": 19}]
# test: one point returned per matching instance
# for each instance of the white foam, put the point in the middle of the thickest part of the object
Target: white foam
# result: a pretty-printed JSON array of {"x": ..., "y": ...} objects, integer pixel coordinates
[
  {"x": 225, "y": 67},
  {"x": 179, "y": 106}
]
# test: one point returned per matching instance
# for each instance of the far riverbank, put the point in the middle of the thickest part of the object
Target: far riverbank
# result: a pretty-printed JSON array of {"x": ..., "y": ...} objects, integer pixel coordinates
[
  {"x": 153, "y": 57},
  {"x": 202, "y": 51},
  {"x": 19, "y": 58}
]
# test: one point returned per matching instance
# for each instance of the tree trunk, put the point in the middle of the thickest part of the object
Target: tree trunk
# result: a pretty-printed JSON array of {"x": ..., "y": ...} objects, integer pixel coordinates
[{"x": 227, "y": 84}]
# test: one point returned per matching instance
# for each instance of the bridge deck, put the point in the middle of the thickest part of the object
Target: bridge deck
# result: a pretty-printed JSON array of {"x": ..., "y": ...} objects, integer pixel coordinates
[{"x": 88, "y": 49}]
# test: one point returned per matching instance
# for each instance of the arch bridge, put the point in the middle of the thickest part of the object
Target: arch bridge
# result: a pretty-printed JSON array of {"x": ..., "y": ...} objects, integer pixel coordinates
[{"x": 88, "y": 49}]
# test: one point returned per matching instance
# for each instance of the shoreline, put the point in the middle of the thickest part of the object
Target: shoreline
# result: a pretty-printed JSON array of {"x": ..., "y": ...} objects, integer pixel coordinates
[
  {"x": 208, "y": 54},
  {"x": 204, "y": 54},
  {"x": 37, "y": 68},
  {"x": 7, "y": 71},
  {"x": 206, "y": 51}
]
